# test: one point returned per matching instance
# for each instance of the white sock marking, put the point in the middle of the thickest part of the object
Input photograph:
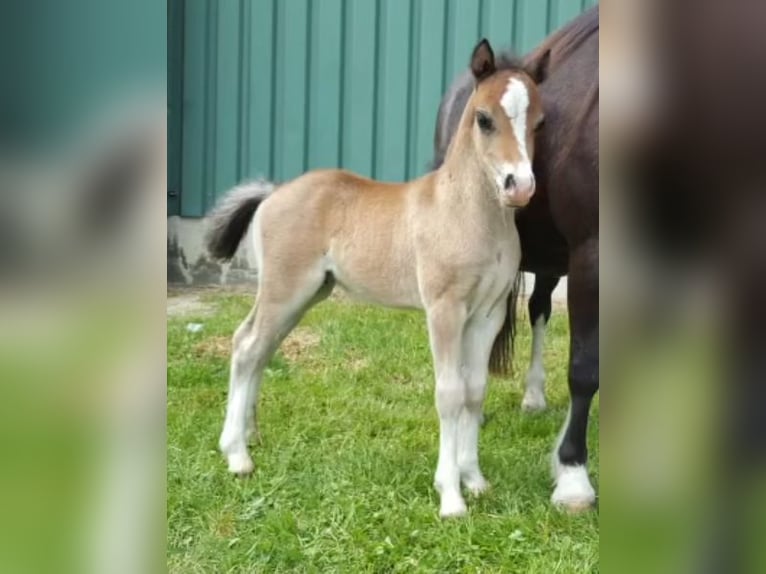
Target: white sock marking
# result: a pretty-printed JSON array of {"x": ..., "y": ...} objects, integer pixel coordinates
[
  {"x": 573, "y": 488},
  {"x": 534, "y": 396}
]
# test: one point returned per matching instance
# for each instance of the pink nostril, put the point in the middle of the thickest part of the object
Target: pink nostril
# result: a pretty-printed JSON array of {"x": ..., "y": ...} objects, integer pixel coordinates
[{"x": 510, "y": 181}]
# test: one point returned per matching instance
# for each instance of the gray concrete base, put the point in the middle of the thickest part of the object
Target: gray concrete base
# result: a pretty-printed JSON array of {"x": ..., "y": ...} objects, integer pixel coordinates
[{"x": 189, "y": 263}]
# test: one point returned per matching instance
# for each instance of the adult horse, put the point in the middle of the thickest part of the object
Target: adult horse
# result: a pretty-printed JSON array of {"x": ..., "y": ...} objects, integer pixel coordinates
[
  {"x": 559, "y": 227},
  {"x": 445, "y": 243}
]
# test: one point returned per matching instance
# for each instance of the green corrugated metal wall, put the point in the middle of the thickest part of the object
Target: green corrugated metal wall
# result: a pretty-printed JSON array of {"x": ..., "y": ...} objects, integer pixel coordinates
[{"x": 274, "y": 88}]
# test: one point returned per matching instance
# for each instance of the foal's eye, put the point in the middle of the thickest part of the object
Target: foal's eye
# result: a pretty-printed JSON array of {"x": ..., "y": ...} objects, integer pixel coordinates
[
  {"x": 484, "y": 122},
  {"x": 540, "y": 123}
]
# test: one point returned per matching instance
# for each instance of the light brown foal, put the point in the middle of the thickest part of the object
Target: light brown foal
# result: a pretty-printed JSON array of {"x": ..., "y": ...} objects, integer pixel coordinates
[{"x": 445, "y": 243}]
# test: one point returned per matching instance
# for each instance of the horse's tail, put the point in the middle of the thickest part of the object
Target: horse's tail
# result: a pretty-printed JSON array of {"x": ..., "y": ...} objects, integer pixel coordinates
[
  {"x": 501, "y": 358},
  {"x": 230, "y": 218}
]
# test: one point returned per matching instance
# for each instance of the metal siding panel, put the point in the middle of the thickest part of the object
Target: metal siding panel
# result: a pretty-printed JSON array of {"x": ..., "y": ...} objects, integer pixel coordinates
[
  {"x": 194, "y": 166},
  {"x": 430, "y": 70},
  {"x": 563, "y": 11},
  {"x": 413, "y": 87},
  {"x": 359, "y": 86},
  {"x": 175, "y": 104},
  {"x": 227, "y": 109},
  {"x": 462, "y": 35},
  {"x": 497, "y": 23},
  {"x": 325, "y": 84},
  {"x": 532, "y": 19},
  {"x": 275, "y": 87},
  {"x": 291, "y": 76},
  {"x": 211, "y": 98},
  {"x": 243, "y": 90},
  {"x": 393, "y": 70},
  {"x": 259, "y": 123}
]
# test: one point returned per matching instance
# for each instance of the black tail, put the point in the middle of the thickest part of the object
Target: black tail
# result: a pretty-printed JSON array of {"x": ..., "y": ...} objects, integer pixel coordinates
[
  {"x": 229, "y": 220},
  {"x": 501, "y": 358}
]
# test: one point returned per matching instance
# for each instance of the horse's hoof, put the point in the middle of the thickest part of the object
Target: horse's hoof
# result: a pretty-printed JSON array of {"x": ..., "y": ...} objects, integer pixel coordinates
[
  {"x": 573, "y": 491},
  {"x": 576, "y": 507},
  {"x": 533, "y": 402},
  {"x": 477, "y": 486},
  {"x": 453, "y": 507},
  {"x": 241, "y": 464}
]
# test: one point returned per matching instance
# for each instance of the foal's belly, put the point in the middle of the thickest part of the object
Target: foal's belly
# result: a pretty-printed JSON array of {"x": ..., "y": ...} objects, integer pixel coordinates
[
  {"x": 395, "y": 293},
  {"x": 381, "y": 278}
]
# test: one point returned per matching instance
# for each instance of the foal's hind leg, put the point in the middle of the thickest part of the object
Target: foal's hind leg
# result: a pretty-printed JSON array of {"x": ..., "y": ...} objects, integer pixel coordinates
[
  {"x": 275, "y": 314},
  {"x": 446, "y": 320},
  {"x": 478, "y": 338},
  {"x": 539, "y": 314}
]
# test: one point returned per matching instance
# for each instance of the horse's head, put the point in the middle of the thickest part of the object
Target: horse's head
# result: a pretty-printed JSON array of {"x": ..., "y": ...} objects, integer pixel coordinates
[{"x": 504, "y": 112}]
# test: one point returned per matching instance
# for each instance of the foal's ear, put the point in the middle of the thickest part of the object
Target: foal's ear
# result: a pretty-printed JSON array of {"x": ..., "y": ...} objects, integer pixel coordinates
[
  {"x": 537, "y": 69},
  {"x": 482, "y": 61}
]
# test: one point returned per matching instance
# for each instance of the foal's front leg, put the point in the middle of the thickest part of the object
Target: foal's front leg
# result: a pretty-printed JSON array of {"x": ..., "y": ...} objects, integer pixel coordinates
[
  {"x": 446, "y": 321},
  {"x": 479, "y": 336}
]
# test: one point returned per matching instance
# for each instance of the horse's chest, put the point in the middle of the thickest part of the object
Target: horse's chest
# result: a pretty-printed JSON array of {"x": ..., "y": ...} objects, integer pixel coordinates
[
  {"x": 495, "y": 277},
  {"x": 477, "y": 267}
]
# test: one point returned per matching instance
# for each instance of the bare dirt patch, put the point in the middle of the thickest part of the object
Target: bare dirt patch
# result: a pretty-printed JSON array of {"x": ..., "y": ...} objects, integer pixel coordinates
[
  {"x": 294, "y": 348},
  {"x": 188, "y": 304},
  {"x": 182, "y": 300},
  {"x": 358, "y": 364},
  {"x": 298, "y": 343},
  {"x": 218, "y": 346}
]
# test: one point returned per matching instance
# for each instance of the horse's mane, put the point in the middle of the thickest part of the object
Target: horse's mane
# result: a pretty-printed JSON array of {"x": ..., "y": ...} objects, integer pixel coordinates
[
  {"x": 556, "y": 49},
  {"x": 509, "y": 61},
  {"x": 566, "y": 40}
]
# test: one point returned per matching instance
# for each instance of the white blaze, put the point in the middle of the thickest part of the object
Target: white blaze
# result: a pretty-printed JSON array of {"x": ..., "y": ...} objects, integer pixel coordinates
[{"x": 515, "y": 102}]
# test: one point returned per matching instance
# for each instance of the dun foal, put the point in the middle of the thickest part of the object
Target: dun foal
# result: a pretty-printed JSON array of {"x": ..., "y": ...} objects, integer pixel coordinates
[{"x": 445, "y": 243}]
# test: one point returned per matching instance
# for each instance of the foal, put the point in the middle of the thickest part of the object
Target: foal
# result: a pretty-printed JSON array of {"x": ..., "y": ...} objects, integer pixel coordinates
[{"x": 445, "y": 243}]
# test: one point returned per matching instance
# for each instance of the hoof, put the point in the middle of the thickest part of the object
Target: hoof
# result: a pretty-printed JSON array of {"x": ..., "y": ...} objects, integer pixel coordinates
[
  {"x": 241, "y": 464},
  {"x": 573, "y": 491},
  {"x": 576, "y": 507},
  {"x": 452, "y": 507},
  {"x": 477, "y": 486},
  {"x": 533, "y": 402}
]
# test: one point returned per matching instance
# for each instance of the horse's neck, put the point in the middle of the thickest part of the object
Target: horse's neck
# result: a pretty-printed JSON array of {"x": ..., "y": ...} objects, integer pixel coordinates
[{"x": 462, "y": 178}]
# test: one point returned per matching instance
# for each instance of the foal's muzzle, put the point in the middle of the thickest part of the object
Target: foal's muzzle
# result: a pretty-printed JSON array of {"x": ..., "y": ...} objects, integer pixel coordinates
[{"x": 517, "y": 188}]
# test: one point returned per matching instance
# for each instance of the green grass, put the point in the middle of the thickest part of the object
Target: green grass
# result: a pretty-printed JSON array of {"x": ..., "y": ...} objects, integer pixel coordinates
[{"x": 343, "y": 479}]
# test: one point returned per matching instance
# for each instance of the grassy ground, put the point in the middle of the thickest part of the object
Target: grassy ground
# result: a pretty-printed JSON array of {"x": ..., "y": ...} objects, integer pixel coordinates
[{"x": 343, "y": 479}]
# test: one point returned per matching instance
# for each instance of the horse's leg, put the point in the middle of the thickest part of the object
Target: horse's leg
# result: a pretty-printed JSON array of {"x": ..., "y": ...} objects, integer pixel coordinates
[
  {"x": 539, "y": 314},
  {"x": 275, "y": 314},
  {"x": 253, "y": 432},
  {"x": 446, "y": 320},
  {"x": 573, "y": 489},
  {"x": 478, "y": 338}
]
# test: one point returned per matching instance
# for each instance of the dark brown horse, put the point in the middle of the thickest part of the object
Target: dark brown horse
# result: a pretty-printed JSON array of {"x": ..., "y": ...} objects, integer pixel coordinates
[{"x": 559, "y": 227}]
